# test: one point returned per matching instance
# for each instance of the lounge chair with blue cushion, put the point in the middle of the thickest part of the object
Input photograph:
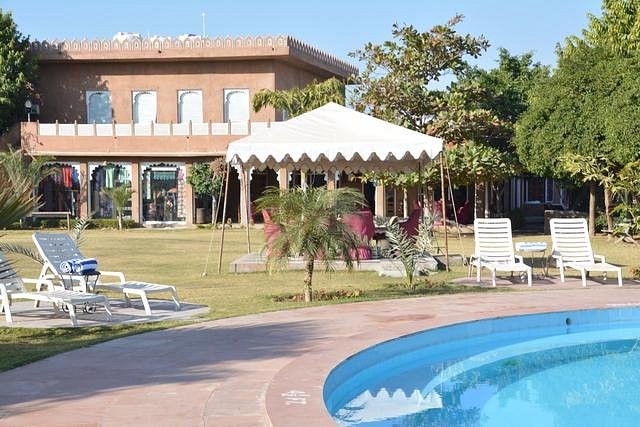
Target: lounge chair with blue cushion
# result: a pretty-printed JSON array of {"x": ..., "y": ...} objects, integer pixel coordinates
[
  {"x": 12, "y": 288},
  {"x": 56, "y": 248}
]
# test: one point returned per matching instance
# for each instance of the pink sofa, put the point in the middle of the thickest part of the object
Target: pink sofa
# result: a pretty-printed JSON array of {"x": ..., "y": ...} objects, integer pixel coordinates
[{"x": 361, "y": 224}]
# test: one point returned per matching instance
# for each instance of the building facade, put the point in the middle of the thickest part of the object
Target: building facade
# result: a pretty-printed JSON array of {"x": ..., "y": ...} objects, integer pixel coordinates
[{"x": 140, "y": 112}]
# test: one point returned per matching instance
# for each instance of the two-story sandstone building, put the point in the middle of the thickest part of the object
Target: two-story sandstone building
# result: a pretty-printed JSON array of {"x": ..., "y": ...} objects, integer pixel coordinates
[{"x": 142, "y": 111}]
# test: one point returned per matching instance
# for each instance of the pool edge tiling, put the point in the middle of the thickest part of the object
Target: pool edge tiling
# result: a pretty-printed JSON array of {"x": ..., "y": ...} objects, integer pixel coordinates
[{"x": 296, "y": 392}]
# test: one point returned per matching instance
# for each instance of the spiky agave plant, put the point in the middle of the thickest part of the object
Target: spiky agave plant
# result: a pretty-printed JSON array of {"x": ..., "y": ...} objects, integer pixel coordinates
[
  {"x": 311, "y": 227},
  {"x": 404, "y": 248}
]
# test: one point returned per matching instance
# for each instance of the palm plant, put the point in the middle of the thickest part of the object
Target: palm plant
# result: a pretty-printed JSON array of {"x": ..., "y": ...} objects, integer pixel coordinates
[
  {"x": 119, "y": 196},
  {"x": 16, "y": 199},
  {"x": 404, "y": 248},
  {"x": 311, "y": 227},
  {"x": 300, "y": 100},
  {"x": 18, "y": 171}
]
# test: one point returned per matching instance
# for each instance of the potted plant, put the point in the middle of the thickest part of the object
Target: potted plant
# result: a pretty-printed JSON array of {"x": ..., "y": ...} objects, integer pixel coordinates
[{"x": 206, "y": 180}]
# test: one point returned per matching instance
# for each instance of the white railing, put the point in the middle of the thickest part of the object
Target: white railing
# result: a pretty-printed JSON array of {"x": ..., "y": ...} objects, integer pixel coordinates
[{"x": 152, "y": 129}]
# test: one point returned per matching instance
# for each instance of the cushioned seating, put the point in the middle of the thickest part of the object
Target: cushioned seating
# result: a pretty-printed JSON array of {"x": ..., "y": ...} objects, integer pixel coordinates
[{"x": 361, "y": 224}]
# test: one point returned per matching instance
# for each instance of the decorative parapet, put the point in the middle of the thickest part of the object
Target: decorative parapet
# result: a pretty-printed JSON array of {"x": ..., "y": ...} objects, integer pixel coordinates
[
  {"x": 318, "y": 55},
  {"x": 199, "y": 47}
]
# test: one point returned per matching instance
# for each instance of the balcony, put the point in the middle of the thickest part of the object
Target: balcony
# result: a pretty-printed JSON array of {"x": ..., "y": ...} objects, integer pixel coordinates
[{"x": 134, "y": 139}]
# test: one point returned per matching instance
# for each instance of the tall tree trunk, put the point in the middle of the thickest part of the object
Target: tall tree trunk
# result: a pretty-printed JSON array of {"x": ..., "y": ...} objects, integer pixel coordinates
[
  {"x": 592, "y": 208},
  {"x": 607, "y": 207},
  {"x": 119, "y": 215},
  {"x": 476, "y": 187},
  {"x": 487, "y": 186},
  {"x": 308, "y": 290}
]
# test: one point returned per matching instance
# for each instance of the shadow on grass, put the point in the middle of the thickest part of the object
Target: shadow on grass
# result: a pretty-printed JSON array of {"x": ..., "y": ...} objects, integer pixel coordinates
[{"x": 199, "y": 353}]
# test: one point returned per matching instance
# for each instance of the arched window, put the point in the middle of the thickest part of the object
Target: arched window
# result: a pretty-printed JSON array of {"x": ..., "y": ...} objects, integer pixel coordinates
[
  {"x": 236, "y": 105},
  {"x": 190, "y": 106},
  {"x": 98, "y": 107},
  {"x": 144, "y": 107}
]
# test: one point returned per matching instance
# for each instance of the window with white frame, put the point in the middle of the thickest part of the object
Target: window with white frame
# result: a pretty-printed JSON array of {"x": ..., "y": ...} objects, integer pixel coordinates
[
  {"x": 190, "y": 106},
  {"x": 236, "y": 105},
  {"x": 98, "y": 107},
  {"x": 144, "y": 106}
]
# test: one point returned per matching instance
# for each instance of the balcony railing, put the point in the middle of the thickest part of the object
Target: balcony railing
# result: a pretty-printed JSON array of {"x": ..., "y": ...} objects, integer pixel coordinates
[{"x": 152, "y": 129}]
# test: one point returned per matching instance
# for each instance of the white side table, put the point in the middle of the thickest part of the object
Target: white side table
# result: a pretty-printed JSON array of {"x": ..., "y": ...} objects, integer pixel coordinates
[{"x": 533, "y": 248}]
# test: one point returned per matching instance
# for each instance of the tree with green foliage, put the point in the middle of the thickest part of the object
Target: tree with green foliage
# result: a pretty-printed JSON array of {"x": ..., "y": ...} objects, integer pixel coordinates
[
  {"x": 617, "y": 30},
  {"x": 505, "y": 90},
  {"x": 297, "y": 101},
  {"x": 310, "y": 226},
  {"x": 587, "y": 108},
  {"x": 397, "y": 83},
  {"x": 119, "y": 196},
  {"x": 592, "y": 170},
  {"x": 17, "y": 72}
]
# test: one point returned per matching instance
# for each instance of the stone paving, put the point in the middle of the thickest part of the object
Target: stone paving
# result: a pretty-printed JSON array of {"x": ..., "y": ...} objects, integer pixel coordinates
[
  {"x": 257, "y": 370},
  {"x": 27, "y": 316}
]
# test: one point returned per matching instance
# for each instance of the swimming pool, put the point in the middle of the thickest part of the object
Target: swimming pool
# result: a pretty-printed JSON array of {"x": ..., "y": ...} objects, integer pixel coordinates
[{"x": 573, "y": 368}]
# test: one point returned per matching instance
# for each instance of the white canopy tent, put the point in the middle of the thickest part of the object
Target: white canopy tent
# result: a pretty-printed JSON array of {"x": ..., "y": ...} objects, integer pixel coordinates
[
  {"x": 332, "y": 138},
  {"x": 335, "y": 138}
]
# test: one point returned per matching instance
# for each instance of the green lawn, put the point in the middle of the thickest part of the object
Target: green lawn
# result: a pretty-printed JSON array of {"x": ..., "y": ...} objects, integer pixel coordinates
[{"x": 178, "y": 257}]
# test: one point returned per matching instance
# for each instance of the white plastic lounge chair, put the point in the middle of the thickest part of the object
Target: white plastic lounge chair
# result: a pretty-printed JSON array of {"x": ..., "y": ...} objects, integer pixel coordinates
[
  {"x": 494, "y": 249},
  {"x": 572, "y": 248},
  {"x": 55, "y": 248},
  {"x": 12, "y": 288}
]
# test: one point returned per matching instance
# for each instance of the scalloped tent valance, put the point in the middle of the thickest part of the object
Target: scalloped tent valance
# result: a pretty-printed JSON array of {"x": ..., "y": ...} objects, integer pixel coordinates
[{"x": 335, "y": 138}]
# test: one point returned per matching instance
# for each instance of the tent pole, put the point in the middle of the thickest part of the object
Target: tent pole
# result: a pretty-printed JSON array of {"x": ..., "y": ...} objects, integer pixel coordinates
[
  {"x": 214, "y": 220},
  {"x": 247, "y": 176},
  {"x": 444, "y": 211},
  {"x": 224, "y": 215}
]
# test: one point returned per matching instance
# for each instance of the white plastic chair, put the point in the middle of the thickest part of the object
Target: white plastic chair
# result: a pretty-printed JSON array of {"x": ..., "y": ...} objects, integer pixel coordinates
[
  {"x": 12, "y": 288},
  {"x": 55, "y": 248},
  {"x": 572, "y": 248},
  {"x": 494, "y": 249}
]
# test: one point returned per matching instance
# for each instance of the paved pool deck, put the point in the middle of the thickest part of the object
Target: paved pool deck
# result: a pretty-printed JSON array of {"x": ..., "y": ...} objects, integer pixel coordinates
[{"x": 258, "y": 370}]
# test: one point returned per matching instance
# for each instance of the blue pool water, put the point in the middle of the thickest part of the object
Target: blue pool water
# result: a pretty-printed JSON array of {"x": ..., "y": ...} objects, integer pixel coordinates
[{"x": 578, "y": 368}]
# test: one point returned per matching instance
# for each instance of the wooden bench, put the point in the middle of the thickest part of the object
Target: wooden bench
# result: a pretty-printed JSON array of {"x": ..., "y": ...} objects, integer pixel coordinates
[{"x": 66, "y": 215}]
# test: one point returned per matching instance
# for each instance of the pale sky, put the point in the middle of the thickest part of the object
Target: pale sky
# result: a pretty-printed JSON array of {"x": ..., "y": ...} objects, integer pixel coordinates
[{"x": 337, "y": 27}]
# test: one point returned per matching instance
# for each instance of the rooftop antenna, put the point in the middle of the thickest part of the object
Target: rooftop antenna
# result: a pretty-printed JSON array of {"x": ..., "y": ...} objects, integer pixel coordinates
[{"x": 204, "y": 28}]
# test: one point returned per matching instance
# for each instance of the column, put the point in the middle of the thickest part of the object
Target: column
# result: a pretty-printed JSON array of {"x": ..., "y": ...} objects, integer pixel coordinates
[
  {"x": 244, "y": 197},
  {"x": 331, "y": 180},
  {"x": 283, "y": 179},
  {"x": 188, "y": 195},
  {"x": 83, "y": 195},
  {"x": 137, "y": 195},
  {"x": 379, "y": 199}
]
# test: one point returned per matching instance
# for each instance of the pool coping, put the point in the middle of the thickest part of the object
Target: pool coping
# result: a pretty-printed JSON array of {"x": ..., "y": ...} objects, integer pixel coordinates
[{"x": 296, "y": 391}]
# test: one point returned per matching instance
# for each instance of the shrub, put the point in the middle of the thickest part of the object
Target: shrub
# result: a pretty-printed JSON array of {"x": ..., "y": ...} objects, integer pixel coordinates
[
  {"x": 320, "y": 295},
  {"x": 112, "y": 223},
  {"x": 601, "y": 222}
]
